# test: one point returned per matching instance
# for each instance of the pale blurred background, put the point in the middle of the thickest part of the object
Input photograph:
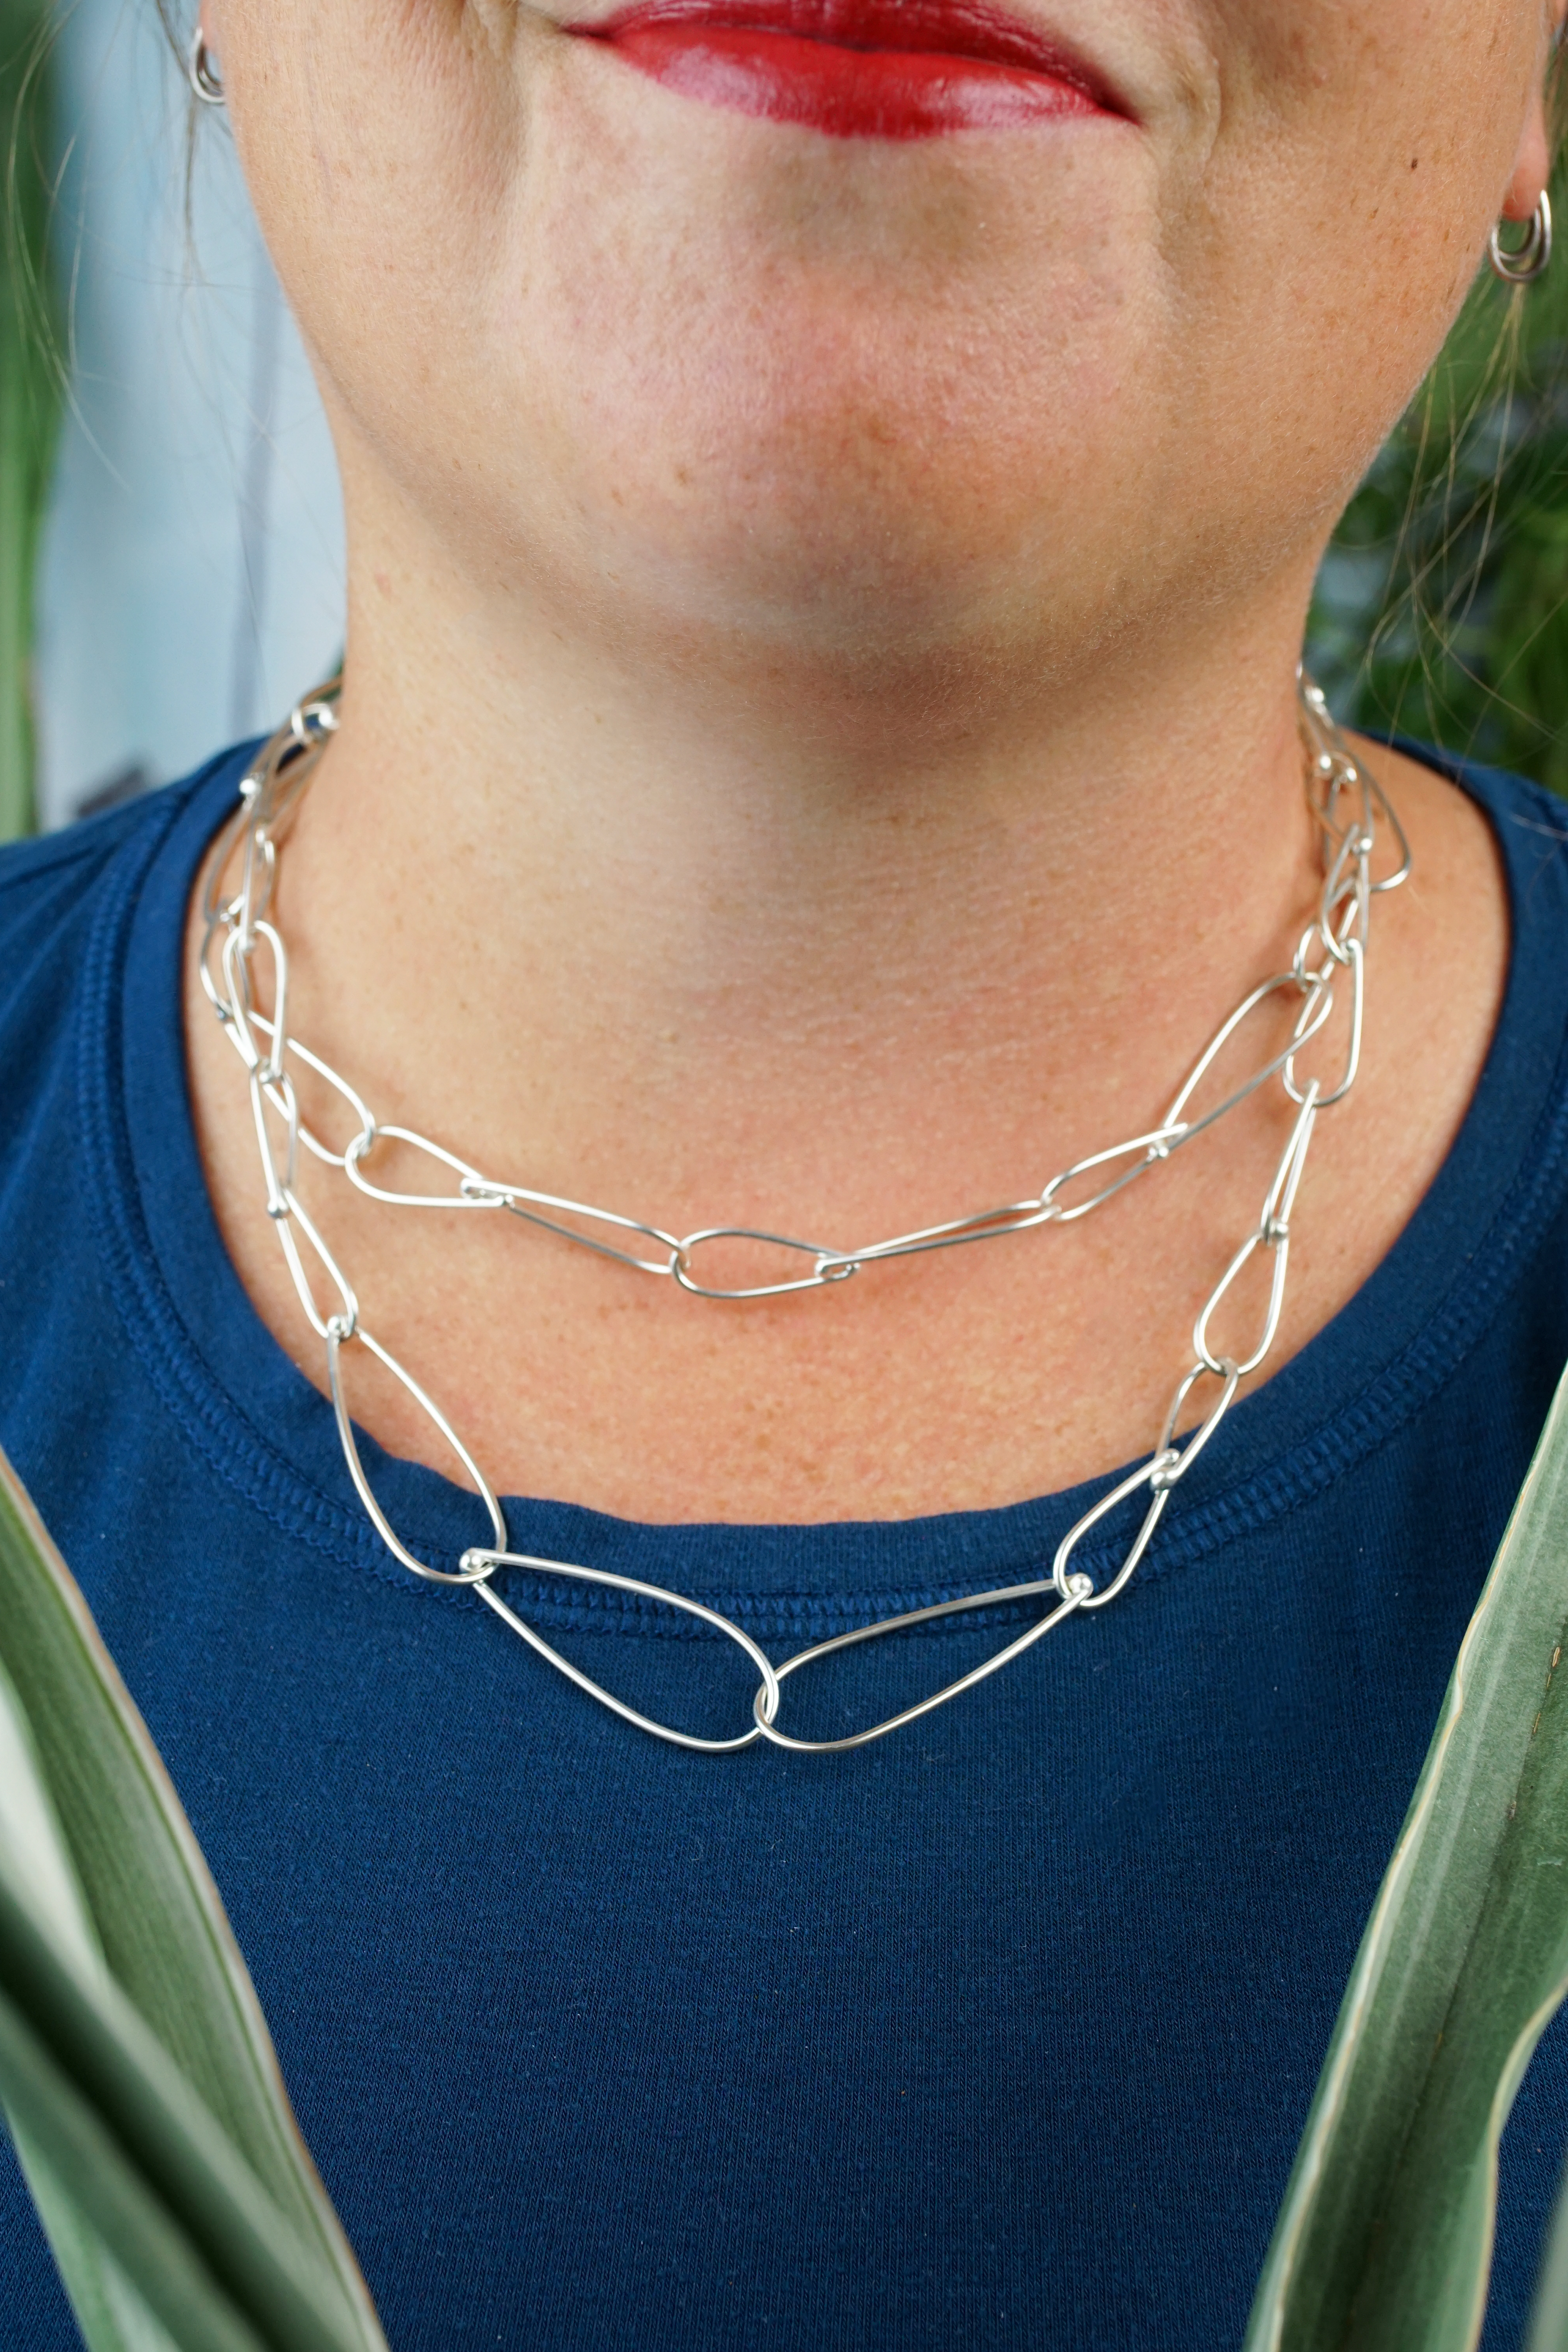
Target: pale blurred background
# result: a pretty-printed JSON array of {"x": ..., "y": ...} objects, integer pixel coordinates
[{"x": 190, "y": 575}]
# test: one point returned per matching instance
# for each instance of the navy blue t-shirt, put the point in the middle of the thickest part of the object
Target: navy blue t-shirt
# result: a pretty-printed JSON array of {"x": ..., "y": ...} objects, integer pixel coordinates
[{"x": 1000, "y": 2032}]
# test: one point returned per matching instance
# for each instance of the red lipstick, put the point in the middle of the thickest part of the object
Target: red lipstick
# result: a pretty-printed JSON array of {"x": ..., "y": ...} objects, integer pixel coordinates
[{"x": 857, "y": 69}]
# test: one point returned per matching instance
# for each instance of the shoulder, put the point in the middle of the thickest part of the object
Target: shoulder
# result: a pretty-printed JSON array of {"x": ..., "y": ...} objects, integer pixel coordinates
[
  {"x": 55, "y": 892},
  {"x": 50, "y": 889},
  {"x": 1509, "y": 800},
  {"x": 48, "y": 878},
  {"x": 1480, "y": 929},
  {"x": 42, "y": 879},
  {"x": 1528, "y": 825}
]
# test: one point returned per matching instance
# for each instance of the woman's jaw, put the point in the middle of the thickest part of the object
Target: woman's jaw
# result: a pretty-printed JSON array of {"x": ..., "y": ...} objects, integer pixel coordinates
[
  {"x": 703, "y": 382},
  {"x": 917, "y": 428}
]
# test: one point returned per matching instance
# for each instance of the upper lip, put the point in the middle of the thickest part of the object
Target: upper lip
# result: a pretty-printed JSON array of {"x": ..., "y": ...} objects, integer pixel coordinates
[{"x": 956, "y": 28}]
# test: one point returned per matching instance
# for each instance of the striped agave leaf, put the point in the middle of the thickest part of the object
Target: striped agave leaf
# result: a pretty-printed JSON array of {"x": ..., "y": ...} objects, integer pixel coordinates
[
  {"x": 135, "y": 2065},
  {"x": 1383, "y": 2242}
]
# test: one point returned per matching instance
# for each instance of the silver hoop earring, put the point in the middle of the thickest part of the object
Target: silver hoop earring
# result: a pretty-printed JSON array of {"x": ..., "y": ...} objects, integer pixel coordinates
[
  {"x": 1524, "y": 264},
  {"x": 201, "y": 73}
]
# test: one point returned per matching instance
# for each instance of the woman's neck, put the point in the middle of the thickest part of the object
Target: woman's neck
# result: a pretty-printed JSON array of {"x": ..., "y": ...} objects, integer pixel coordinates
[
  {"x": 781, "y": 947},
  {"x": 787, "y": 944}
]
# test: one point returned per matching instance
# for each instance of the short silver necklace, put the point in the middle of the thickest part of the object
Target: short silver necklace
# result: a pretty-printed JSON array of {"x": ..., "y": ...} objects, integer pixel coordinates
[{"x": 1348, "y": 807}]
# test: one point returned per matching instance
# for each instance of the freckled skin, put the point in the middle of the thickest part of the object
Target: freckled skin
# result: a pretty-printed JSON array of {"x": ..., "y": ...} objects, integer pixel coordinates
[{"x": 819, "y": 745}]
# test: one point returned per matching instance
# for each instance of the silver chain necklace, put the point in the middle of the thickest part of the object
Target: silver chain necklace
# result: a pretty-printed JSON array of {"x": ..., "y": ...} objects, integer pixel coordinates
[{"x": 1347, "y": 806}]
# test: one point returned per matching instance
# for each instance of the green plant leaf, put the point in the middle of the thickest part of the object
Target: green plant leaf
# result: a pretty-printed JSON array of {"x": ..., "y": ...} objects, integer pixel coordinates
[
  {"x": 135, "y": 2061},
  {"x": 1549, "y": 2321},
  {"x": 1383, "y": 2242},
  {"x": 31, "y": 377}
]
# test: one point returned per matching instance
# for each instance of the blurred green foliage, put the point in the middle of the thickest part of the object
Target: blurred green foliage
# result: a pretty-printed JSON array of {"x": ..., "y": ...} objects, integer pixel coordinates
[
  {"x": 29, "y": 381},
  {"x": 1442, "y": 605}
]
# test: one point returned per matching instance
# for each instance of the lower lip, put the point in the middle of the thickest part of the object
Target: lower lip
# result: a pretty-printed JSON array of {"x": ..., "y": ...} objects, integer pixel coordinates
[{"x": 850, "y": 93}]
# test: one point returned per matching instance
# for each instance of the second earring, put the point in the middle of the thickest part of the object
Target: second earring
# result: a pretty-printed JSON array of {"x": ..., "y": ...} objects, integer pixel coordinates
[
  {"x": 1520, "y": 264},
  {"x": 201, "y": 72}
]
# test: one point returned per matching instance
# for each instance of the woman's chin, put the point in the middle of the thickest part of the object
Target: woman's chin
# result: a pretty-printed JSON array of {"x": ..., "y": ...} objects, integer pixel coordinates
[
  {"x": 856, "y": 537},
  {"x": 834, "y": 479}
]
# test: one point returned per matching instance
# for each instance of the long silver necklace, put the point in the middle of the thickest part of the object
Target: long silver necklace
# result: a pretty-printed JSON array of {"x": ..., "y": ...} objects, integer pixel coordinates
[{"x": 1348, "y": 806}]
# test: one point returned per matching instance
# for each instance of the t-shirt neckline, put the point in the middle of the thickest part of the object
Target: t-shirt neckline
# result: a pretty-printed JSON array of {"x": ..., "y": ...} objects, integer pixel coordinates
[{"x": 269, "y": 1432}]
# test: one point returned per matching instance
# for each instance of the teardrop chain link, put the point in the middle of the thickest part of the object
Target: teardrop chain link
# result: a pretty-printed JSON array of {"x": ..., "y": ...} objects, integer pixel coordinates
[{"x": 240, "y": 942}]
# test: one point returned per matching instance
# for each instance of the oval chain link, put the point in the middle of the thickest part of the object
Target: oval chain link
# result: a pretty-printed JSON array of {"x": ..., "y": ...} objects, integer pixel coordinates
[{"x": 1348, "y": 806}]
